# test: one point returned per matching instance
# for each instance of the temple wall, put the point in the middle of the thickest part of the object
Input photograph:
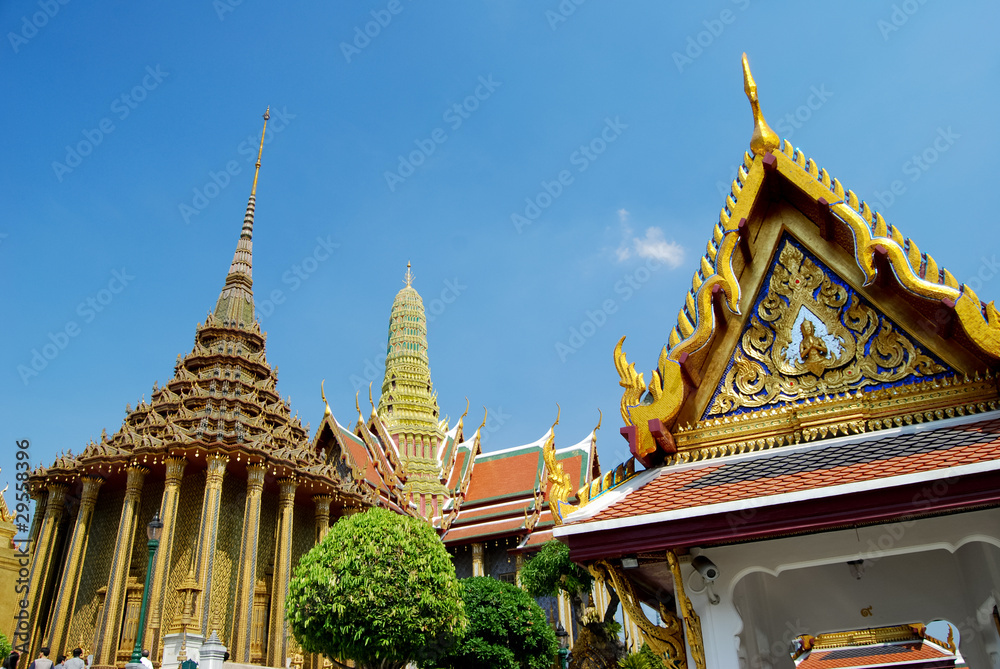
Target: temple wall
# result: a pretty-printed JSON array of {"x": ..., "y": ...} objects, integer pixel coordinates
[
  {"x": 97, "y": 567},
  {"x": 227, "y": 556},
  {"x": 185, "y": 540}
]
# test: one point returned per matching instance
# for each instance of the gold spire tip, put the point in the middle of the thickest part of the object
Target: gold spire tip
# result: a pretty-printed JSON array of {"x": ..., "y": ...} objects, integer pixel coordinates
[
  {"x": 764, "y": 140},
  {"x": 267, "y": 115},
  {"x": 408, "y": 278}
]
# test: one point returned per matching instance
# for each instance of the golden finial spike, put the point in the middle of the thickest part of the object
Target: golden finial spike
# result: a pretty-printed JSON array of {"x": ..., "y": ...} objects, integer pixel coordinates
[
  {"x": 322, "y": 393},
  {"x": 558, "y": 413},
  {"x": 764, "y": 139},
  {"x": 408, "y": 277},
  {"x": 600, "y": 419},
  {"x": 260, "y": 151}
]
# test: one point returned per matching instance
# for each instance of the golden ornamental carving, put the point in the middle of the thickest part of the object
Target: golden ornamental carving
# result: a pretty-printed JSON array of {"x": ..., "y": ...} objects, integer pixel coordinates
[
  {"x": 666, "y": 640},
  {"x": 811, "y": 335},
  {"x": 692, "y": 622}
]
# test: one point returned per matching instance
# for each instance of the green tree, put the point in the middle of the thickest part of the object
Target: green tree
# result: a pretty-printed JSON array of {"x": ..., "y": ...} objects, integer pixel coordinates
[
  {"x": 507, "y": 629},
  {"x": 5, "y": 646},
  {"x": 551, "y": 570},
  {"x": 379, "y": 589}
]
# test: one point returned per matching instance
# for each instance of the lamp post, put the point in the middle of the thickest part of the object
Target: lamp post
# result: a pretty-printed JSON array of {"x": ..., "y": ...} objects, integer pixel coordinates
[
  {"x": 563, "y": 637},
  {"x": 153, "y": 531}
]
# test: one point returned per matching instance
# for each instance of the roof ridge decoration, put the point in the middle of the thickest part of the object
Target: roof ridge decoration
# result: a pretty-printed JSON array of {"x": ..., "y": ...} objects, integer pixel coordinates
[{"x": 648, "y": 408}]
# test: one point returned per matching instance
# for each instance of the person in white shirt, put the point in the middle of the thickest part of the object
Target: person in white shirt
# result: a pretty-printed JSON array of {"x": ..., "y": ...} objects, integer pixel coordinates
[
  {"x": 75, "y": 662},
  {"x": 146, "y": 662},
  {"x": 42, "y": 661}
]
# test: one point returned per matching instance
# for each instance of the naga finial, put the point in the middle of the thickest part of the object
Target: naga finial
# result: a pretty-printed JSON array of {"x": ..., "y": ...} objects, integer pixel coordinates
[
  {"x": 558, "y": 413},
  {"x": 322, "y": 393},
  {"x": 370, "y": 400},
  {"x": 764, "y": 139},
  {"x": 486, "y": 412},
  {"x": 466, "y": 410},
  {"x": 600, "y": 419}
]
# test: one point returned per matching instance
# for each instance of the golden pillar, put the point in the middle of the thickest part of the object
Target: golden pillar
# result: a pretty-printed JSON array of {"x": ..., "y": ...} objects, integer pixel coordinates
[
  {"x": 109, "y": 626},
  {"x": 207, "y": 534},
  {"x": 322, "y": 516},
  {"x": 247, "y": 579},
  {"x": 478, "y": 566},
  {"x": 153, "y": 636},
  {"x": 66, "y": 597},
  {"x": 40, "y": 495},
  {"x": 43, "y": 554},
  {"x": 277, "y": 646}
]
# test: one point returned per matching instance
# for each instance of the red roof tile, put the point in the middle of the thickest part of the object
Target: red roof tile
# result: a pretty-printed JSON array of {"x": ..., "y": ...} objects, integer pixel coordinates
[
  {"x": 504, "y": 476},
  {"x": 916, "y": 654},
  {"x": 776, "y": 472}
]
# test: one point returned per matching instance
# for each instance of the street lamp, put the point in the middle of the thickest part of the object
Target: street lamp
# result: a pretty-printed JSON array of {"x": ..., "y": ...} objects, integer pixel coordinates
[
  {"x": 153, "y": 531},
  {"x": 563, "y": 637}
]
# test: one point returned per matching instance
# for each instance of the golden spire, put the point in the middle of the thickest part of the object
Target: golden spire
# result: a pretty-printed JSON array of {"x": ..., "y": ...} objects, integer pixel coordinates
[
  {"x": 235, "y": 304},
  {"x": 408, "y": 277},
  {"x": 267, "y": 115},
  {"x": 764, "y": 139}
]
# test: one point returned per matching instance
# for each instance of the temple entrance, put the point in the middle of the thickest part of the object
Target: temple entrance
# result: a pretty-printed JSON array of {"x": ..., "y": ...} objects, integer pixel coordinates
[{"x": 875, "y": 591}]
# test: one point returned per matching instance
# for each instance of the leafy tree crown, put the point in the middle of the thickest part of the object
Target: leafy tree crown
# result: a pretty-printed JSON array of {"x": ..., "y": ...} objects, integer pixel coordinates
[
  {"x": 380, "y": 589},
  {"x": 507, "y": 629},
  {"x": 551, "y": 570}
]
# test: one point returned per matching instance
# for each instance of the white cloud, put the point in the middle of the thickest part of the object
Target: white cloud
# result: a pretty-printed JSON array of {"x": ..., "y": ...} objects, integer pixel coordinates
[{"x": 654, "y": 245}]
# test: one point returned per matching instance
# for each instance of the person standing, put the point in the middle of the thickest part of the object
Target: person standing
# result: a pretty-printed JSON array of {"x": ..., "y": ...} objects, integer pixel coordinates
[
  {"x": 76, "y": 662},
  {"x": 42, "y": 661},
  {"x": 60, "y": 662},
  {"x": 11, "y": 661},
  {"x": 146, "y": 662}
]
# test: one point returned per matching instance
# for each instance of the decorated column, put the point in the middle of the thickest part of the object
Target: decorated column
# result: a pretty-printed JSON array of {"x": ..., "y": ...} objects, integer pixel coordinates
[
  {"x": 110, "y": 624},
  {"x": 478, "y": 567},
  {"x": 277, "y": 647},
  {"x": 66, "y": 596},
  {"x": 207, "y": 535},
  {"x": 322, "y": 503},
  {"x": 42, "y": 557},
  {"x": 161, "y": 569},
  {"x": 247, "y": 579}
]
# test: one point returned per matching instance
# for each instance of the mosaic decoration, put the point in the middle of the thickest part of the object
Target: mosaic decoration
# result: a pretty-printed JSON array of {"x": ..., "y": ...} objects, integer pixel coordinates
[{"x": 810, "y": 334}]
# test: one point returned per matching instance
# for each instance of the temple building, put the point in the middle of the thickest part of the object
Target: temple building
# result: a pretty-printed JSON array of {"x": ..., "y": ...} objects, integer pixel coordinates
[
  {"x": 491, "y": 508},
  {"x": 241, "y": 494},
  {"x": 814, "y": 479}
]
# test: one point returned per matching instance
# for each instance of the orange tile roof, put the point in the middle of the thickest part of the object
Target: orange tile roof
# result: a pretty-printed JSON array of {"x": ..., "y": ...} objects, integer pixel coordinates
[
  {"x": 512, "y": 475},
  {"x": 815, "y": 467},
  {"x": 913, "y": 654}
]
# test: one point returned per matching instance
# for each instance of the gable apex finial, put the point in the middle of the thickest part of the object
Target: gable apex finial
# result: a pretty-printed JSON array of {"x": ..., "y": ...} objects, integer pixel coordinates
[{"x": 764, "y": 139}]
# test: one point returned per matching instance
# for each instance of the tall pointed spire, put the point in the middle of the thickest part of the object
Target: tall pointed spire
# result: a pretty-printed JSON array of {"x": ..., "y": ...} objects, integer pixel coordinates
[
  {"x": 235, "y": 305},
  {"x": 408, "y": 399},
  {"x": 764, "y": 139}
]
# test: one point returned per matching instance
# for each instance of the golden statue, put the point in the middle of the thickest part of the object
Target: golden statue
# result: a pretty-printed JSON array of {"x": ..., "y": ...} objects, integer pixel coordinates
[{"x": 812, "y": 348}]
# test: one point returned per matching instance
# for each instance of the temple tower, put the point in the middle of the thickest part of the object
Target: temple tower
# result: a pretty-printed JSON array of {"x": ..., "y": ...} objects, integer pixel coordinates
[{"x": 408, "y": 405}]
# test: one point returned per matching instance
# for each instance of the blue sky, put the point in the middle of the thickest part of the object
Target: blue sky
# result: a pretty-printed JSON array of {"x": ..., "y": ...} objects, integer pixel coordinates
[{"x": 621, "y": 122}]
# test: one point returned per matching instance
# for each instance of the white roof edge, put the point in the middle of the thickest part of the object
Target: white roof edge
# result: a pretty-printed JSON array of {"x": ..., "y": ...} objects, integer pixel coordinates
[{"x": 771, "y": 500}]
